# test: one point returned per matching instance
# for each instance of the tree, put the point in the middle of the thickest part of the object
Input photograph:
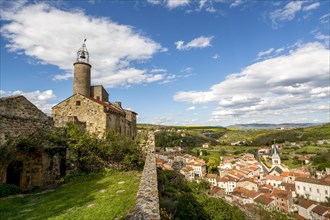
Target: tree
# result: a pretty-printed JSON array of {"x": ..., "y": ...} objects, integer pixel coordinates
[{"x": 212, "y": 164}]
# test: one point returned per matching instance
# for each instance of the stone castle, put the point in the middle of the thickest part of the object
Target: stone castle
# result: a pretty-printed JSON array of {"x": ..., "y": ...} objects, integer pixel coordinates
[
  {"x": 90, "y": 106},
  {"x": 19, "y": 118}
]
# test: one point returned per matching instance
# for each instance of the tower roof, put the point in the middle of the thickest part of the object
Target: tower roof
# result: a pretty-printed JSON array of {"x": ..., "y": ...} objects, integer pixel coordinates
[
  {"x": 82, "y": 53},
  {"x": 276, "y": 154}
]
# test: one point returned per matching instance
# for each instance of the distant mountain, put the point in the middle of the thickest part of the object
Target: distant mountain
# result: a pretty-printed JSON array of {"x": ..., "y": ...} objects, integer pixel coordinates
[{"x": 273, "y": 126}]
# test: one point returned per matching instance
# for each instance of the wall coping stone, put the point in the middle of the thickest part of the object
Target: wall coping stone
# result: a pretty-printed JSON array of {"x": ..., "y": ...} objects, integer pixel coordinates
[{"x": 147, "y": 201}]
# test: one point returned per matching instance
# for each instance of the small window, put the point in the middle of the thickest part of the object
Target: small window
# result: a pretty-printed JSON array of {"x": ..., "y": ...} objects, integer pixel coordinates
[
  {"x": 326, "y": 192},
  {"x": 310, "y": 189},
  {"x": 77, "y": 103},
  {"x": 318, "y": 191}
]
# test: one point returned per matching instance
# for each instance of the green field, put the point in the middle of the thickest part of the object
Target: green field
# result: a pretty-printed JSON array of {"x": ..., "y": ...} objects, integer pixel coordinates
[{"x": 99, "y": 197}]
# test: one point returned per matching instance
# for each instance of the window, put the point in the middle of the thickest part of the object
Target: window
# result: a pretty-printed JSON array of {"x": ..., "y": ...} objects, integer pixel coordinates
[
  {"x": 318, "y": 191},
  {"x": 77, "y": 103},
  {"x": 310, "y": 189},
  {"x": 298, "y": 187},
  {"x": 304, "y": 188},
  {"x": 326, "y": 192}
]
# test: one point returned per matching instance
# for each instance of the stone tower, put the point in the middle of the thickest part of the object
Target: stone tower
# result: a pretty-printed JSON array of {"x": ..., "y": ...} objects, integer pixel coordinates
[{"x": 82, "y": 72}]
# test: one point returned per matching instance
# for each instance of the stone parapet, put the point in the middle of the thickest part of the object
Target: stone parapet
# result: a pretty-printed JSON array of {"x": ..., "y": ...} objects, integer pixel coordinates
[{"x": 147, "y": 201}]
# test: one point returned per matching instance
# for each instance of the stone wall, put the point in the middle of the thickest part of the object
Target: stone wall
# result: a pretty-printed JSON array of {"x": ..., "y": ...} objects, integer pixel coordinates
[
  {"x": 147, "y": 201},
  {"x": 19, "y": 117}
]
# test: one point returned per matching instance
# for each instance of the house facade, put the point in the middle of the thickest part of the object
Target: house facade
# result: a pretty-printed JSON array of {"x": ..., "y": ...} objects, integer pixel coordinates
[{"x": 313, "y": 189}]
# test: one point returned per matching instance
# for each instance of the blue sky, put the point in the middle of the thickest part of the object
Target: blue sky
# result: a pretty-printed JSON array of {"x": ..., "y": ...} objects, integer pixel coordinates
[{"x": 207, "y": 62}]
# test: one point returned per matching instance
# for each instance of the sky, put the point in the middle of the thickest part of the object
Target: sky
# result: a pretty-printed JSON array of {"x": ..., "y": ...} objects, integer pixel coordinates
[{"x": 175, "y": 62}]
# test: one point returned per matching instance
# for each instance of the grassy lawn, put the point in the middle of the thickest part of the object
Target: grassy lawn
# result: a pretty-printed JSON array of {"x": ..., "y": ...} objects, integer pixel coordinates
[{"x": 96, "y": 198}]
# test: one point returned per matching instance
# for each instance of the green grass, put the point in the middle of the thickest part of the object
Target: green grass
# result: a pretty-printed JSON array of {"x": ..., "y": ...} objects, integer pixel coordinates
[{"x": 95, "y": 198}]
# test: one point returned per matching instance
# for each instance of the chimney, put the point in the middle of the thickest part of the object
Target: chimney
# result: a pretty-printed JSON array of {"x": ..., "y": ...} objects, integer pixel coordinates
[{"x": 118, "y": 104}]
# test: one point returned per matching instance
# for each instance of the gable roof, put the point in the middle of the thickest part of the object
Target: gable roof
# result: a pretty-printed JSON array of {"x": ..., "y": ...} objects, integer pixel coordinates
[
  {"x": 320, "y": 209},
  {"x": 323, "y": 182},
  {"x": 263, "y": 199},
  {"x": 108, "y": 106},
  {"x": 305, "y": 203},
  {"x": 277, "y": 169}
]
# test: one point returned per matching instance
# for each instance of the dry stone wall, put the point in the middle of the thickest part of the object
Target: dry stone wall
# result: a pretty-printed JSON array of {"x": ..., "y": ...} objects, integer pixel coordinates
[{"x": 147, "y": 201}]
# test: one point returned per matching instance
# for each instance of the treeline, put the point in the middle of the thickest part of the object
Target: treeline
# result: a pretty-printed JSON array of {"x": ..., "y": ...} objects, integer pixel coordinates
[
  {"x": 180, "y": 199},
  {"x": 87, "y": 152},
  {"x": 189, "y": 139},
  {"x": 259, "y": 137}
]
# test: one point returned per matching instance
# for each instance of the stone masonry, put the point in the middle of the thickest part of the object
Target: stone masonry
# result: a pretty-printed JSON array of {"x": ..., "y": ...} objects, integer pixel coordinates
[
  {"x": 147, "y": 201},
  {"x": 19, "y": 117}
]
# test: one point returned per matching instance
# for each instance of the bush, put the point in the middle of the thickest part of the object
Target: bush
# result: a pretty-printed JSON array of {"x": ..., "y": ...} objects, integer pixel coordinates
[{"x": 8, "y": 189}]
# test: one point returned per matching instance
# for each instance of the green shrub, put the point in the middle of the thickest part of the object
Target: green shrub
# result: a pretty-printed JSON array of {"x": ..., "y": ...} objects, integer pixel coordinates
[{"x": 8, "y": 189}]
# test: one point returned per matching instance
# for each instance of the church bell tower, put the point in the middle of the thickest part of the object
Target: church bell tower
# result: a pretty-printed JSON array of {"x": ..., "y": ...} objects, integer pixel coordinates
[{"x": 82, "y": 72}]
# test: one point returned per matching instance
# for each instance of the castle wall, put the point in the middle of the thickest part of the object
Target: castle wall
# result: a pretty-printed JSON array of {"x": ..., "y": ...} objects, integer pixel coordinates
[
  {"x": 147, "y": 201},
  {"x": 78, "y": 108},
  {"x": 19, "y": 117},
  {"x": 39, "y": 169}
]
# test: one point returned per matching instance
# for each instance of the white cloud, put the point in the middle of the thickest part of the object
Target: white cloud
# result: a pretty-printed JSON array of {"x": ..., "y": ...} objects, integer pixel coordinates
[
  {"x": 158, "y": 70},
  {"x": 236, "y": 3},
  {"x": 154, "y": 2},
  {"x": 176, "y": 3},
  {"x": 38, "y": 98},
  {"x": 200, "y": 42},
  {"x": 287, "y": 13},
  {"x": 191, "y": 108},
  {"x": 287, "y": 84},
  {"x": 266, "y": 52},
  {"x": 53, "y": 36},
  {"x": 325, "y": 18},
  {"x": 216, "y": 56},
  {"x": 311, "y": 6},
  {"x": 324, "y": 38}
]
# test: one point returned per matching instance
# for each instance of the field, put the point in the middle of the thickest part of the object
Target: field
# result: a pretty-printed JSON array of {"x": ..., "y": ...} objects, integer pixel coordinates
[{"x": 100, "y": 197}]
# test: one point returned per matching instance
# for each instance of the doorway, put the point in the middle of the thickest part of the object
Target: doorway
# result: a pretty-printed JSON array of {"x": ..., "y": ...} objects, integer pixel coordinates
[{"x": 14, "y": 172}]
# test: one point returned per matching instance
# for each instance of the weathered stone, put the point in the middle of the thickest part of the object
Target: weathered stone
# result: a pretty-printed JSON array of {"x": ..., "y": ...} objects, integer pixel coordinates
[{"x": 147, "y": 201}]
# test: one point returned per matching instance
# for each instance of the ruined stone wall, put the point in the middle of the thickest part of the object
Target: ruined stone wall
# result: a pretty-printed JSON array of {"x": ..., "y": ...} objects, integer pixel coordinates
[
  {"x": 19, "y": 118},
  {"x": 147, "y": 201}
]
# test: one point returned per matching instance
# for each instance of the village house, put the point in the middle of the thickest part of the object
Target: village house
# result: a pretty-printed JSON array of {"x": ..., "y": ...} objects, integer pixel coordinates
[
  {"x": 199, "y": 167},
  {"x": 248, "y": 183},
  {"x": 274, "y": 181},
  {"x": 290, "y": 176},
  {"x": 228, "y": 183},
  {"x": 283, "y": 200},
  {"x": 244, "y": 196},
  {"x": 320, "y": 212},
  {"x": 313, "y": 189},
  {"x": 305, "y": 207},
  {"x": 212, "y": 179},
  {"x": 265, "y": 200}
]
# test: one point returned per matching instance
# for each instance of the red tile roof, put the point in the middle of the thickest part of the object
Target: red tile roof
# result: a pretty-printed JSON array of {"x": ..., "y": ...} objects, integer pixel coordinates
[
  {"x": 305, "y": 203},
  {"x": 320, "y": 209},
  {"x": 264, "y": 199},
  {"x": 313, "y": 181}
]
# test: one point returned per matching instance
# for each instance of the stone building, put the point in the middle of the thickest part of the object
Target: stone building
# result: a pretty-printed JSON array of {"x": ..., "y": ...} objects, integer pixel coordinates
[
  {"x": 90, "y": 106},
  {"x": 19, "y": 118}
]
